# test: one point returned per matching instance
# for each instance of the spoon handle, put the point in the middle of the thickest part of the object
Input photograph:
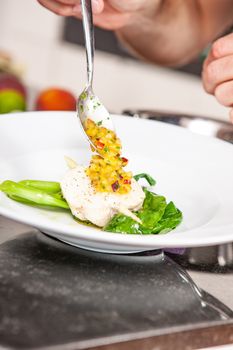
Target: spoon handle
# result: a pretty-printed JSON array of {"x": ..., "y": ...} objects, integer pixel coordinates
[{"x": 88, "y": 29}]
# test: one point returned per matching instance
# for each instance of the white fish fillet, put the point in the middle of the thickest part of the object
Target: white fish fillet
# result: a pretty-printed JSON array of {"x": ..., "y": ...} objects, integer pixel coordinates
[{"x": 97, "y": 207}]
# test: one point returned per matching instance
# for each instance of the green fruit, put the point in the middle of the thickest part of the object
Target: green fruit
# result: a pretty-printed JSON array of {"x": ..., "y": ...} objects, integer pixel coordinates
[
  {"x": 11, "y": 101},
  {"x": 11, "y": 82}
]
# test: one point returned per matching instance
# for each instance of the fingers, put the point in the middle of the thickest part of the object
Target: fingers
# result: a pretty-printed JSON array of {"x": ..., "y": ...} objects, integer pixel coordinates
[
  {"x": 231, "y": 115},
  {"x": 127, "y": 6},
  {"x": 217, "y": 67},
  {"x": 135, "y": 5},
  {"x": 224, "y": 93},
  {"x": 207, "y": 61},
  {"x": 217, "y": 72},
  {"x": 223, "y": 46},
  {"x": 110, "y": 19},
  {"x": 70, "y": 7},
  {"x": 97, "y": 7},
  {"x": 57, "y": 7},
  {"x": 105, "y": 15},
  {"x": 68, "y": 2}
]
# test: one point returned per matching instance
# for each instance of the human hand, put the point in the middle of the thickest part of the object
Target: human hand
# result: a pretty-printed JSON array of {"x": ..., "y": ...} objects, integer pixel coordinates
[
  {"x": 108, "y": 14},
  {"x": 217, "y": 72}
]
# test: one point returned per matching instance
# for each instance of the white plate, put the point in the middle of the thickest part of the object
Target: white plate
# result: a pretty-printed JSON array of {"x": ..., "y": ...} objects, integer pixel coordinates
[{"x": 195, "y": 172}]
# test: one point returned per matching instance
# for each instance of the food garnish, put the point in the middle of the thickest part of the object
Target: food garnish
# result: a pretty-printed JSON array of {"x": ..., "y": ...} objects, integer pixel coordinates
[{"x": 106, "y": 168}]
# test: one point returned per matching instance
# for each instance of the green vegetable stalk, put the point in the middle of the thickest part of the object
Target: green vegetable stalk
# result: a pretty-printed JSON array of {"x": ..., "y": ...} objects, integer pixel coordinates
[
  {"x": 47, "y": 186},
  {"x": 30, "y": 195}
]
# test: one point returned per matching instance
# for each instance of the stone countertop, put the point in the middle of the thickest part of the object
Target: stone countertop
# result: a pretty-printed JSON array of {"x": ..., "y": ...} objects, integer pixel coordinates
[
  {"x": 53, "y": 294},
  {"x": 218, "y": 284}
]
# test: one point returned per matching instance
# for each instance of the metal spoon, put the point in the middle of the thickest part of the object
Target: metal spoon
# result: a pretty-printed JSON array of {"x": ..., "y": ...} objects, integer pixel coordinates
[{"x": 89, "y": 105}]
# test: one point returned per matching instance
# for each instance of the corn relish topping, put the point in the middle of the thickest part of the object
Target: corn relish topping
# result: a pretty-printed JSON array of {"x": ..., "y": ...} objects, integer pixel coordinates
[{"x": 106, "y": 170}]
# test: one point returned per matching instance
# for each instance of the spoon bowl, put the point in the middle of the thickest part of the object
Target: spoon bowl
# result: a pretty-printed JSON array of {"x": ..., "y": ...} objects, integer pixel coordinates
[{"x": 90, "y": 107}]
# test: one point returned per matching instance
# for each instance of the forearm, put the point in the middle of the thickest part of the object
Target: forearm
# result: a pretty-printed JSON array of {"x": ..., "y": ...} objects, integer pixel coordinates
[{"x": 176, "y": 31}]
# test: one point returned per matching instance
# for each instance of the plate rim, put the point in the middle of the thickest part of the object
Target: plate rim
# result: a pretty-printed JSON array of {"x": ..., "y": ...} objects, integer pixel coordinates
[{"x": 117, "y": 238}]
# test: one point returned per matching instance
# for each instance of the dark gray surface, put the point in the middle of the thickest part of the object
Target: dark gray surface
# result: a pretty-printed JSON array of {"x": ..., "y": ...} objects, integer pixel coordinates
[{"x": 53, "y": 294}]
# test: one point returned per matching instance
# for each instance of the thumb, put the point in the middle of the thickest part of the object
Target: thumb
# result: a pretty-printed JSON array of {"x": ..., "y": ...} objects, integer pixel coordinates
[
  {"x": 97, "y": 7},
  {"x": 128, "y": 5}
]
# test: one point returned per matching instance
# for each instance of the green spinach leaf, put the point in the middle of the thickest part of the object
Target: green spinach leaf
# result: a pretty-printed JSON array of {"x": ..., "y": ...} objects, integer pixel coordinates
[
  {"x": 147, "y": 177},
  {"x": 172, "y": 217},
  {"x": 156, "y": 215},
  {"x": 152, "y": 210}
]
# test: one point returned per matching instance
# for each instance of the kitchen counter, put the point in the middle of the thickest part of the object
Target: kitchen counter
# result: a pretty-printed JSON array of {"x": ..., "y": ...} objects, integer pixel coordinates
[
  {"x": 218, "y": 284},
  {"x": 38, "y": 269}
]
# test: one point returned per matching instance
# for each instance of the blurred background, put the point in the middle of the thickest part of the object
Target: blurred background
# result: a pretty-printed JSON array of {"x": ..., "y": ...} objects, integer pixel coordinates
[{"x": 47, "y": 50}]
